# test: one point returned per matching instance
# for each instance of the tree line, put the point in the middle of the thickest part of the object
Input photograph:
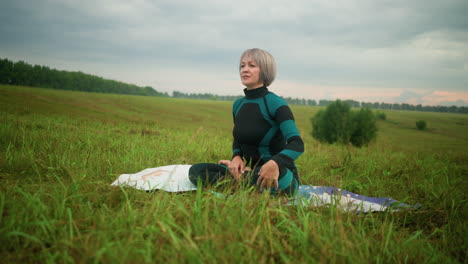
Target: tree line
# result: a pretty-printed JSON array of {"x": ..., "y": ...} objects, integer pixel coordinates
[
  {"x": 352, "y": 103},
  {"x": 22, "y": 73}
]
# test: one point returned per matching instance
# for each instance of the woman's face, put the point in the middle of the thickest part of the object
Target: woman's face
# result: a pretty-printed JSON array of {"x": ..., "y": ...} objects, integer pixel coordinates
[{"x": 250, "y": 73}]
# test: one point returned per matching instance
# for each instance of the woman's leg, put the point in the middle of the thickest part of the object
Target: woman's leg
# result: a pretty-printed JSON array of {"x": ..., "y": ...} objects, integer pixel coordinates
[
  {"x": 210, "y": 174},
  {"x": 207, "y": 173}
]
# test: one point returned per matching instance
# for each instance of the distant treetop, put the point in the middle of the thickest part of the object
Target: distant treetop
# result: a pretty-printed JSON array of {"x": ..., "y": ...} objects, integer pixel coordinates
[{"x": 22, "y": 73}]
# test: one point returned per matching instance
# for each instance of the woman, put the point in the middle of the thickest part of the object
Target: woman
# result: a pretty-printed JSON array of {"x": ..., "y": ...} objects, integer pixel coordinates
[{"x": 265, "y": 135}]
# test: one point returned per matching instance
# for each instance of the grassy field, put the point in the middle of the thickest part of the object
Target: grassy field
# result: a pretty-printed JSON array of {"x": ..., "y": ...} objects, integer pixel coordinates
[{"x": 60, "y": 150}]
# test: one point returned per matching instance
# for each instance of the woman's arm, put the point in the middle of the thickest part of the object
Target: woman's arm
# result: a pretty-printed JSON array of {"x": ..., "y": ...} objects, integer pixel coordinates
[
  {"x": 269, "y": 173},
  {"x": 294, "y": 145}
]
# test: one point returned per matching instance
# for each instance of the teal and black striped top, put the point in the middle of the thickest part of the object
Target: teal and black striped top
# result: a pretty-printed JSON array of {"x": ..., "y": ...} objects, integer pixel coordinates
[{"x": 264, "y": 129}]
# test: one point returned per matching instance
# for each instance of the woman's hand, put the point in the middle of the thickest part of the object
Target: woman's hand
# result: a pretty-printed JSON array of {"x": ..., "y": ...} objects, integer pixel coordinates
[
  {"x": 226, "y": 163},
  {"x": 268, "y": 175},
  {"x": 236, "y": 167}
]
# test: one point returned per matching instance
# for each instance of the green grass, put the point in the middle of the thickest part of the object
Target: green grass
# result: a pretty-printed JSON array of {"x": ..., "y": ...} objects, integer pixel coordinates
[{"x": 60, "y": 150}]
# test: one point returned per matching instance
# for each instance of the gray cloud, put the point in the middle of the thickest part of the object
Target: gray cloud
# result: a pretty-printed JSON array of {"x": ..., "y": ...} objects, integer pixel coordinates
[
  {"x": 409, "y": 96},
  {"x": 451, "y": 103},
  {"x": 388, "y": 44}
]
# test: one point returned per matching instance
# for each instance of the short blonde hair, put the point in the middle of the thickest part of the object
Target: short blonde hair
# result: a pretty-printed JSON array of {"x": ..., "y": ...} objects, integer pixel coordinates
[{"x": 265, "y": 61}]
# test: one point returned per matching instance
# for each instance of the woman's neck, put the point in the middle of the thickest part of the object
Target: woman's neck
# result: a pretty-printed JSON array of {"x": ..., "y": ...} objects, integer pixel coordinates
[{"x": 255, "y": 87}]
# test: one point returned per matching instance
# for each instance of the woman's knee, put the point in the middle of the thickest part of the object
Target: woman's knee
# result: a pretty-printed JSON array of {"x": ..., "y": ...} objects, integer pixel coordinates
[{"x": 207, "y": 173}]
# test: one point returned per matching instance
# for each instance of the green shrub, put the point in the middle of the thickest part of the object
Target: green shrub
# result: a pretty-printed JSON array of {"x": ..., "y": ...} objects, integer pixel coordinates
[
  {"x": 364, "y": 127},
  {"x": 319, "y": 132},
  {"x": 381, "y": 115},
  {"x": 337, "y": 123},
  {"x": 421, "y": 124},
  {"x": 333, "y": 124}
]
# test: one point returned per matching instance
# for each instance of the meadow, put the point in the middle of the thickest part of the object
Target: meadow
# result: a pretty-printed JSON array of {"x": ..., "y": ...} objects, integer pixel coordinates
[{"x": 61, "y": 150}]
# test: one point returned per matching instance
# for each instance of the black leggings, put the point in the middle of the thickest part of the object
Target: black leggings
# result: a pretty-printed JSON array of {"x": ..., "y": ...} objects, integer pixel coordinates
[{"x": 210, "y": 174}]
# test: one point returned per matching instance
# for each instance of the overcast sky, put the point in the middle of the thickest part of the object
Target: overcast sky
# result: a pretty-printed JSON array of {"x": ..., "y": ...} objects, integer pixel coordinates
[{"x": 413, "y": 51}]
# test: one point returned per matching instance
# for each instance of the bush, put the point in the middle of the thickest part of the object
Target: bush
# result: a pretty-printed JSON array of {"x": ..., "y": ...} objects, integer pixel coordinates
[
  {"x": 333, "y": 124},
  {"x": 381, "y": 115},
  {"x": 338, "y": 124},
  {"x": 364, "y": 127},
  {"x": 421, "y": 124}
]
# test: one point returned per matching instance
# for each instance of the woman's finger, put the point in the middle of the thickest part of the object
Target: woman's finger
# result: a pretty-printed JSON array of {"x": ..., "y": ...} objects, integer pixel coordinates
[
  {"x": 260, "y": 177},
  {"x": 225, "y": 162},
  {"x": 262, "y": 184},
  {"x": 234, "y": 172},
  {"x": 266, "y": 183}
]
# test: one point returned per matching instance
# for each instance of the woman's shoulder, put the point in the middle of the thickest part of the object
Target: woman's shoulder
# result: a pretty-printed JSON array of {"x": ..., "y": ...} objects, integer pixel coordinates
[
  {"x": 237, "y": 103},
  {"x": 275, "y": 100},
  {"x": 238, "y": 100},
  {"x": 272, "y": 96}
]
